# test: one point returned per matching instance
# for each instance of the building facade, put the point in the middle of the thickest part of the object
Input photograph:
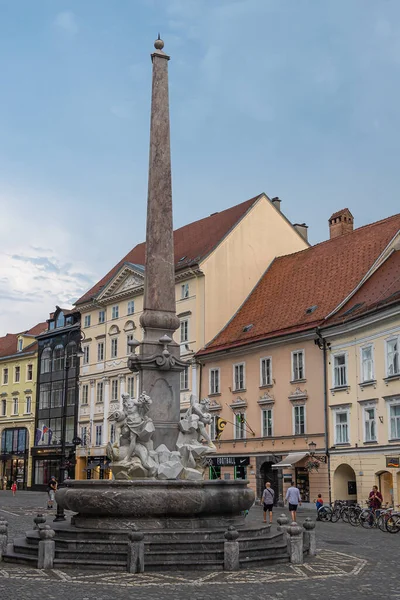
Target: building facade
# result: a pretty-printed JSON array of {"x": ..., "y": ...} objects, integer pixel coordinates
[
  {"x": 56, "y": 415},
  {"x": 18, "y": 368}
]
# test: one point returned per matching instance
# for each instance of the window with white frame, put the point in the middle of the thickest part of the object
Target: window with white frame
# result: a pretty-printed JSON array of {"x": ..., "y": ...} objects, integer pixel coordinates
[
  {"x": 238, "y": 377},
  {"x": 267, "y": 422},
  {"x": 15, "y": 405},
  {"x": 130, "y": 386},
  {"x": 112, "y": 433},
  {"x": 298, "y": 371},
  {"x": 369, "y": 424},
  {"x": 115, "y": 312},
  {"x": 393, "y": 357},
  {"x": 45, "y": 361},
  {"x": 102, "y": 316},
  {"x": 99, "y": 435},
  {"x": 86, "y": 355},
  {"x": 299, "y": 419},
  {"x": 342, "y": 418},
  {"x": 100, "y": 352},
  {"x": 86, "y": 322},
  {"x": 240, "y": 426},
  {"x": 184, "y": 290},
  {"x": 184, "y": 330},
  {"x": 394, "y": 419},
  {"x": 29, "y": 372},
  {"x": 114, "y": 389},
  {"x": 58, "y": 358},
  {"x": 100, "y": 392},
  {"x": 17, "y": 374},
  {"x": 5, "y": 376},
  {"x": 85, "y": 394},
  {"x": 213, "y": 427},
  {"x": 44, "y": 395},
  {"x": 20, "y": 344},
  {"x": 131, "y": 307},
  {"x": 266, "y": 371},
  {"x": 84, "y": 435},
  {"x": 367, "y": 363},
  {"x": 340, "y": 370},
  {"x": 4, "y": 408},
  {"x": 184, "y": 379},
  {"x": 114, "y": 347},
  {"x": 129, "y": 338},
  {"x": 28, "y": 407},
  {"x": 214, "y": 382}
]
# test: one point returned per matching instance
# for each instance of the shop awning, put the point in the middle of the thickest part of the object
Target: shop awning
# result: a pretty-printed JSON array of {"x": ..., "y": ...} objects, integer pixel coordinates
[{"x": 290, "y": 460}]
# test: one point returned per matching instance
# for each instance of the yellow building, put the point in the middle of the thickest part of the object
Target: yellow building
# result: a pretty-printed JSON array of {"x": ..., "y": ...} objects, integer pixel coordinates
[
  {"x": 363, "y": 373},
  {"x": 18, "y": 370},
  {"x": 218, "y": 261}
]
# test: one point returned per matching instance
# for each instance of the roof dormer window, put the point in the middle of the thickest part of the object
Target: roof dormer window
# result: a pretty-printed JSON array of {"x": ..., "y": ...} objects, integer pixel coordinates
[{"x": 20, "y": 344}]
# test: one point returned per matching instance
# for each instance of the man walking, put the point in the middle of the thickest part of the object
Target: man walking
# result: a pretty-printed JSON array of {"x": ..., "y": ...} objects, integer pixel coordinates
[
  {"x": 267, "y": 501},
  {"x": 294, "y": 499}
]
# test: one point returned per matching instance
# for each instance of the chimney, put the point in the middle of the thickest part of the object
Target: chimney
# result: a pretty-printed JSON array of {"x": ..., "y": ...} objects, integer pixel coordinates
[
  {"x": 301, "y": 228},
  {"x": 341, "y": 222},
  {"x": 277, "y": 203}
]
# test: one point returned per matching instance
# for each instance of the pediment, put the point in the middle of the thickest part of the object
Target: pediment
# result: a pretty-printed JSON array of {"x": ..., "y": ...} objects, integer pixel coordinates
[{"x": 129, "y": 278}]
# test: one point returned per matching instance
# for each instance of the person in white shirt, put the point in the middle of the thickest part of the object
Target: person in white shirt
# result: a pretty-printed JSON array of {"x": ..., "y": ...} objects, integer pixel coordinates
[
  {"x": 294, "y": 499},
  {"x": 267, "y": 501}
]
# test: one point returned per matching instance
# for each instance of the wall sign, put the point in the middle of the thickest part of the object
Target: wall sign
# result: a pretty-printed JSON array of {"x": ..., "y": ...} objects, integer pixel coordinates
[
  {"x": 229, "y": 461},
  {"x": 392, "y": 462}
]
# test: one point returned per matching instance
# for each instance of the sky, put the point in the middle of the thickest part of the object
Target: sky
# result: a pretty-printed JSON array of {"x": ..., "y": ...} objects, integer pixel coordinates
[{"x": 295, "y": 98}]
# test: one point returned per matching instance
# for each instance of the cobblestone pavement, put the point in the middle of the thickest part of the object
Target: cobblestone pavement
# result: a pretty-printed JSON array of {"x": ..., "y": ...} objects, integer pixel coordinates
[{"x": 352, "y": 563}]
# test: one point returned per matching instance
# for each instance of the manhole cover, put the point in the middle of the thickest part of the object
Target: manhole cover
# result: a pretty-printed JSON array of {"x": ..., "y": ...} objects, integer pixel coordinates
[{"x": 339, "y": 542}]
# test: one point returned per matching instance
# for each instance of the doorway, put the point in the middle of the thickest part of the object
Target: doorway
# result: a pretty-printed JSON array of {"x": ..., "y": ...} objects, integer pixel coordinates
[
  {"x": 344, "y": 483},
  {"x": 267, "y": 473},
  {"x": 385, "y": 486}
]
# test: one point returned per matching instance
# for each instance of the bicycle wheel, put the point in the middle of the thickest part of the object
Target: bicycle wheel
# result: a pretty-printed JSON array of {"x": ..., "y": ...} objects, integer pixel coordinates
[
  {"x": 393, "y": 523},
  {"x": 381, "y": 522},
  {"x": 325, "y": 514},
  {"x": 354, "y": 517},
  {"x": 345, "y": 514},
  {"x": 367, "y": 519},
  {"x": 335, "y": 515}
]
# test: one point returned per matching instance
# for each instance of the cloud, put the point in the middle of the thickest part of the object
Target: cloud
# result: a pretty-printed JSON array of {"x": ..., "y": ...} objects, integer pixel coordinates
[{"x": 66, "y": 21}]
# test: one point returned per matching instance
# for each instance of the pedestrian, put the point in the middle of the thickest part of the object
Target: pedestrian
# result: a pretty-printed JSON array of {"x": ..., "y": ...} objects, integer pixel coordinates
[
  {"x": 375, "y": 498},
  {"x": 318, "y": 503},
  {"x": 51, "y": 492},
  {"x": 294, "y": 499},
  {"x": 267, "y": 501},
  {"x": 14, "y": 488}
]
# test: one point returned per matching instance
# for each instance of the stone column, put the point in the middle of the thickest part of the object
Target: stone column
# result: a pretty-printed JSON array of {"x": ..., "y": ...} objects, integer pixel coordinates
[
  {"x": 47, "y": 548},
  {"x": 231, "y": 550},
  {"x": 310, "y": 540},
  {"x": 39, "y": 520},
  {"x": 135, "y": 558},
  {"x": 3, "y": 537},
  {"x": 106, "y": 408},
  {"x": 295, "y": 543}
]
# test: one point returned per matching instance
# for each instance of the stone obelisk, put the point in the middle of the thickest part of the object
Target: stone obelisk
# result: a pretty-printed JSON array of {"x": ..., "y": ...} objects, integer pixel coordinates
[{"x": 158, "y": 359}]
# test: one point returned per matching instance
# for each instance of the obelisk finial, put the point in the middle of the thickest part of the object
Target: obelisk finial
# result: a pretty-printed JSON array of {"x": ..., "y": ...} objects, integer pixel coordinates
[{"x": 159, "y": 44}]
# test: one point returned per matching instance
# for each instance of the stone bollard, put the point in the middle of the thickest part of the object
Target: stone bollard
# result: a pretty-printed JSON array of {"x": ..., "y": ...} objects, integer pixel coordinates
[
  {"x": 283, "y": 523},
  {"x": 310, "y": 539},
  {"x": 295, "y": 543},
  {"x": 231, "y": 549},
  {"x": 47, "y": 547},
  {"x": 3, "y": 537},
  {"x": 39, "y": 520},
  {"x": 135, "y": 559}
]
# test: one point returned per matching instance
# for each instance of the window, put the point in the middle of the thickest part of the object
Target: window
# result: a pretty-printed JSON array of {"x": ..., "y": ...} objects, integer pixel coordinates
[
  {"x": 60, "y": 320},
  {"x": 129, "y": 338},
  {"x": 131, "y": 307},
  {"x": 71, "y": 393},
  {"x": 114, "y": 348},
  {"x": 239, "y": 427},
  {"x": 87, "y": 321},
  {"x": 184, "y": 331},
  {"x": 99, "y": 435},
  {"x": 17, "y": 374},
  {"x": 100, "y": 391},
  {"x": 115, "y": 312},
  {"x": 20, "y": 344},
  {"x": 367, "y": 364},
  {"x": 58, "y": 358},
  {"x": 392, "y": 357},
  {"x": 86, "y": 355},
  {"x": 85, "y": 394},
  {"x": 214, "y": 381},
  {"x": 238, "y": 377},
  {"x": 100, "y": 351},
  {"x": 394, "y": 415},
  {"x": 102, "y": 316},
  {"x": 84, "y": 436},
  {"x": 213, "y": 427},
  {"x": 15, "y": 406},
  {"x": 57, "y": 394},
  {"x": 299, "y": 418},
  {"x": 44, "y": 469},
  {"x": 184, "y": 290},
  {"x": 28, "y": 409},
  {"x": 72, "y": 355},
  {"x": 340, "y": 370},
  {"x": 342, "y": 427},
  {"x": 184, "y": 379},
  {"x": 130, "y": 384},
  {"x": 298, "y": 371},
  {"x": 45, "y": 361},
  {"x": 5, "y": 376},
  {"x": 112, "y": 433},
  {"x": 369, "y": 425},
  {"x": 114, "y": 389},
  {"x": 267, "y": 422},
  {"x": 29, "y": 372},
  {"x": 44, "y": 395},
  {"x": 13, "y": 441},
  {"x": 4, "y": 408},
  {"x": 266, "y": 371}
]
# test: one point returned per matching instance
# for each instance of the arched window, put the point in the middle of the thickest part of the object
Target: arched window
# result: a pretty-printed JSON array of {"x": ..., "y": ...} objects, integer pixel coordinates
[
  {"x": 58, "y": 358},
  {"x": 45, "y": 361},
  {"x": 71, "y": 354},
  {"x": 60, "y": 319}
]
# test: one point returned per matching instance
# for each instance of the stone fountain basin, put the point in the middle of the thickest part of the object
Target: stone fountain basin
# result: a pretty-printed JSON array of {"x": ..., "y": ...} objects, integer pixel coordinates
[{"x": 154, "y": 504}]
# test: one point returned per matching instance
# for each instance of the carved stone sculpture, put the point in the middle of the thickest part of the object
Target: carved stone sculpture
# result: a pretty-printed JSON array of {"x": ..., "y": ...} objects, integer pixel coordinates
[{"x": 192, "y": 433}]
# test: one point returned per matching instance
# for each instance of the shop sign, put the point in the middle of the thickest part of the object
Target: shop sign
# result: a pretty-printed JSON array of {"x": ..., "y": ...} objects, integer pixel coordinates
[
  {"x": 229, "y": 461},
  {"x": 392, "y": 462}
]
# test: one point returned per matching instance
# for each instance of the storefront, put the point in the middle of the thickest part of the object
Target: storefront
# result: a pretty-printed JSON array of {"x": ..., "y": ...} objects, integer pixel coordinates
[
  {"x": 98, "y": 468},
  {"x": 309, "y": 475},
  {"x": 228, "y": 467},
  {"x": 14, "y": 457},
  {"x": 47, "y": 463}
]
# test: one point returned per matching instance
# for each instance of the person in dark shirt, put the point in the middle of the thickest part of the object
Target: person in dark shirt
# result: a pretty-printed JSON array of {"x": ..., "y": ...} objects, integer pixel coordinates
[
  {"x": 51, "y": 492},
  {"x": 375, "y": 498}
]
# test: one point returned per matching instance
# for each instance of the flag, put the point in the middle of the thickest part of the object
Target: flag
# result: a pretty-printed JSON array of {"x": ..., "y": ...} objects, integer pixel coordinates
[
  {"x": 38, "y": 436},
  {"x": 44, "y": 430},
  {"x": 50, "y": 434},
  {"x": 220, "y": 427}
]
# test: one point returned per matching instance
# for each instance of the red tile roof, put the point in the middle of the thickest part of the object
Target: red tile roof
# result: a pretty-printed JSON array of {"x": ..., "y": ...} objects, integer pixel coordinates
[
  {"x": 322, "y": 276},
  {"x": 192, "y": 243},
  {"x": 9, "y": 342}
]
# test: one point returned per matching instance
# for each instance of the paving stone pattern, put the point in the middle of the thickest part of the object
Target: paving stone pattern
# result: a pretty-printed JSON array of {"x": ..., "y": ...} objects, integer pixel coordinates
[{"x": 352, "y": 563}]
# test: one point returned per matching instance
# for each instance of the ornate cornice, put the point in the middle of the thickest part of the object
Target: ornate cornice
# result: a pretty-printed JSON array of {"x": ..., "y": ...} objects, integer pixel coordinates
[
  {"x": 298, "y": 394},
  {"x": 238, "y": 403},
  {"x": 266, "y": 398}
]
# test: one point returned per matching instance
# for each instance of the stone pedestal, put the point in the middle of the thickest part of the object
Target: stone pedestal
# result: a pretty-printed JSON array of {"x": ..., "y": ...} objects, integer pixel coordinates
[
  {"x": 295, "y": 543},
  {"x": 310, "y": 540},
  {"x": 3, "y": 537},
  {"x": 231, "y": 550},
  {"x": 135, "y": 556},
  {"x": 47, "y": 548}
]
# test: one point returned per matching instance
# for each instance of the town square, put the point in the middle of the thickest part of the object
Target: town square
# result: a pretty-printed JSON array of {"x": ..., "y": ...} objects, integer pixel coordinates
[{"x": 218, "y": 411}]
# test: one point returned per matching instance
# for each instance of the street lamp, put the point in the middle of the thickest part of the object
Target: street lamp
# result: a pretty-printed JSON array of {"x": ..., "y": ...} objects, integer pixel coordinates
[{"x": 312, "y": 446}]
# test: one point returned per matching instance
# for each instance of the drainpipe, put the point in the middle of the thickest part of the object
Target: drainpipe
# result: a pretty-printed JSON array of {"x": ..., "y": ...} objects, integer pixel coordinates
[{"x": 322, "y": 345}]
